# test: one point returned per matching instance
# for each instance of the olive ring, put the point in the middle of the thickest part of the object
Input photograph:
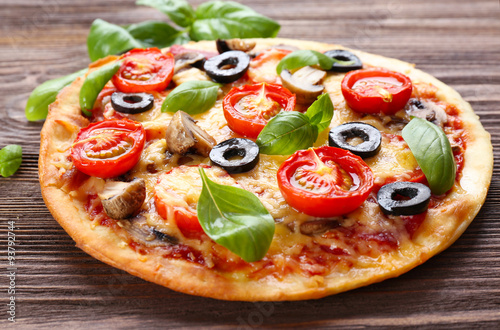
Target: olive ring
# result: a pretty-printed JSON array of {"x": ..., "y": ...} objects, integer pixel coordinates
[
  {"x": 226, "y": 155},
  {"x": 228, "y": 66},
  {"x": 344, "y": 61},
  {"x": 404, "y": 198},
  {"x": 372, "y": 138},
  {"x": 132, "y": 103}
]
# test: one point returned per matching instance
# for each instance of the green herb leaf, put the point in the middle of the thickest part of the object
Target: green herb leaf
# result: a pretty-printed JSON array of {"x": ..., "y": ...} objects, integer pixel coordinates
[
  {"x": 94, "y": 83},
  {"x": 109, "y": 39},
  {"x": 286, "y": 133},
  {"x": 37, "y": 106},
  {"x": 433, "y": 153},
  {"x": 320, "y": 113},
  {"x": 227, "y": 19},
  {"x": 179, "y": 11},
  {"x": 302, "y": 58},
  {"x": 157, "y": 34},
  {"x": 10, "y": 159},
  {"x": 192, "y": 97},
  {"x": 236, "y": 219}
]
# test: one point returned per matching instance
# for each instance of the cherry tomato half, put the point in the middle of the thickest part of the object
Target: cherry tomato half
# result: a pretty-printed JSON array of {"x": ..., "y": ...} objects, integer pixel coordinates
[
  {"x": 108, "y": 148},
  {"x": 376, "y": 90},
  {"x": 248, "y": 108},
  {"x": 325, "y": 181},
  {"x": 263, "y": 67},
  {"x": 144, "y": 70}
]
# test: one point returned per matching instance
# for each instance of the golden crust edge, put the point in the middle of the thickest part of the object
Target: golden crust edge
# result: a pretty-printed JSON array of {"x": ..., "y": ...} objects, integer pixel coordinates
[{"x": 189, "y": 278}]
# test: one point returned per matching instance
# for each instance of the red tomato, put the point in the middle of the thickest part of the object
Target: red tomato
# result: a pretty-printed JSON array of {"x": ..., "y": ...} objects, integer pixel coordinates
[
  {"x": 248, "y": 108},
  {"x": 376, "y": 90},
  {"x": 263, "y": 67},
  {"x": 175, "y": 205},
  {"x": 108, "y": 148},
  {"x": 144, "y": 70},
  {"x": 325, "y": 181}
]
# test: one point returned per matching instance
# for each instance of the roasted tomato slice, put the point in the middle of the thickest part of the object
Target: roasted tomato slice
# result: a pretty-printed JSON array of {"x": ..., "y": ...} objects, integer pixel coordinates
[
  {"x": 263, "y": 67},
  {"x": 248, "y": 108},
  {"x": 144, "y": 70},
  {"x": 325, "y": 181},
  {"x": 108, "y": 148},
  {"x": 376, "y": 90}
]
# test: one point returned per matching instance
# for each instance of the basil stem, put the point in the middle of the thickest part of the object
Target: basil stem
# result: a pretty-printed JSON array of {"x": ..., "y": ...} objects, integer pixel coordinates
[
  {"x": 37, "y": 106},
  {"x": 94, "y": 83},
  {"x": 109, "y": 39},
  {"x": 192, "y": 97},
  {"x": 302, "y": 58},
  {"x": 10, "y": 159},
  {"x": 433, "y": 153},
  {"x": 235, "y": 218},
  {"x": 227, "y": 19},
  {"x": 179, "y": 11},
  {"x": 320, "y": 113}
]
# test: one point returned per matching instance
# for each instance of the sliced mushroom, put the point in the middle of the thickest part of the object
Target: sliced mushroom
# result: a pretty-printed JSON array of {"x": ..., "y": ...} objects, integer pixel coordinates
[
  {"x": 426, "y": 110},
  {"x": 144, "y": 234},
  {"x": 122, "y": 199},
  {"x": 225, "y": 45},
  {"x": 305, "y": 83},
  {"x": 188, "y": 59},
  {"x": 183, "y": 135},
  {"x": 317, "y": 227}
]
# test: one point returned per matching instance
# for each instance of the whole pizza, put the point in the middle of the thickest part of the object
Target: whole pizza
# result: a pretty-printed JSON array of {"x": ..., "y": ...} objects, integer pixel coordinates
[{"x": 262, "y": 169}]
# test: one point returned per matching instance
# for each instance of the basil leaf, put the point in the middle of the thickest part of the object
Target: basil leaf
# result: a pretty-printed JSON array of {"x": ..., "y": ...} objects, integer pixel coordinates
[
  {"x": 157, "y": 34},
  {"x": 179, "y": 11},
  {"x": 108, "y": 39},
  {"x": 320, "y": 113},
  {"x": 236, "y": 219},
  {"x": 10, "y": 159},
  {"x": 433, "y": 153},
  {"x": 192, "y": 97},
  {"x": 94, "y": 83},
  {"x": 37, "y": 106},
  {"x": 225, "y": 20},
  {"x": 302, "y": 58},
  {"x": 286, "y": 133}
]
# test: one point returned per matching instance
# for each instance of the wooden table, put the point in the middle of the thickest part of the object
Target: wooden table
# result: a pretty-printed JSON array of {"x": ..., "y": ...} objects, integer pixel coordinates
[{"x": 57, "y": 285}]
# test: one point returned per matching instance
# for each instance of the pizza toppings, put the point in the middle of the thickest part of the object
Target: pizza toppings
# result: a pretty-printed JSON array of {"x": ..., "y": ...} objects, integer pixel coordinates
[
  {"x": 376, "y": 90},
  {"x": 144, "y": 70},
  {"x": 248, "y": 108},
  {"x": 183, "y": 135},
  {"x": 263, "y": 67},
  {"x": 344, "y": 60},
  {"x": 188, "y": 59},
  {"x": 132, "y": 103},
  {"x": 305, "y": 83},
  {"x": 325, "y": 181},
  {"x": 404, "y": 198},
  {"x": 361, "y": 139},
  {"x": 121, "y": 200},
  {"x": 235, "y": 155},
  {"x": 108, "y": 148},
  {"x": 227, "y": 67},
  {"x": 234, "y": 44},
  {"x": 426, "y": 110},
  {"x": 192, "y": 97}
]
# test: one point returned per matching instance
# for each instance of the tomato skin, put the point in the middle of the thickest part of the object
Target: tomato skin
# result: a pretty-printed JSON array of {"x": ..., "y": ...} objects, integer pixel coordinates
[
  {"x": 332, "y": 200},
  {"x": 252, "y": 124},
  {"x": 370, "y": 99},
  {"x": 144, "y": 70},
  {"x": 123, "y": 139},
  {"x": 263, "y": 67}
]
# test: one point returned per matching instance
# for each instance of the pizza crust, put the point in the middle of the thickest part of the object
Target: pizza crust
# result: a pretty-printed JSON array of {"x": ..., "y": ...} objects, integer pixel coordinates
[{"x": 64, "y": 121}]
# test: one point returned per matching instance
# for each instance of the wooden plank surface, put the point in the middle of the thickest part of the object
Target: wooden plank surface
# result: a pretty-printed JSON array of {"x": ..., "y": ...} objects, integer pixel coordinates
[{"x": 57, "y": 285}]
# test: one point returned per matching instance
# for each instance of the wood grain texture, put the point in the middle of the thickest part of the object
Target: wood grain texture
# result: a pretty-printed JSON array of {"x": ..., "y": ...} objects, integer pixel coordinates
[{"x": 57, "y": 285}]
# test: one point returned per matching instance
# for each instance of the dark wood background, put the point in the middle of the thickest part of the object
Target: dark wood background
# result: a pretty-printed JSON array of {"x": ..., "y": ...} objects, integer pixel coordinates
[{"x": 57, "y": 285}]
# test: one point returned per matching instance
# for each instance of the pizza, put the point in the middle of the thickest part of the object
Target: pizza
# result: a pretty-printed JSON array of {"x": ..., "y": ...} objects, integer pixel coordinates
[{"x": 262, "y": 169}]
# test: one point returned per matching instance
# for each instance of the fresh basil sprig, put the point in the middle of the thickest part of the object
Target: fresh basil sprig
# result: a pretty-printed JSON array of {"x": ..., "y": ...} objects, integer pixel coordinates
[
  {"x": 179, "y": 11},
  {"x": 192, "y": 97},
  {"x": 94, "y": 83},
  {"x": 10, "y": 159},
  {"x": 290, "y": 131},
  {"x": 302, "y": 58},
  {"x": 157, "y": 34},
  {"x": 37, "y": 106},
  {"x": 433, "y": 153},
  {"x": 236, "y": 219}
]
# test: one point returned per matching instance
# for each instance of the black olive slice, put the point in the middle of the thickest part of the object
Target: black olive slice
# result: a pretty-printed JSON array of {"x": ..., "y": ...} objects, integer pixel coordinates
[
  {"x": 228, "y": 66},
  {"x": 235, "y": 155},
  {"x": 372, "y": 139},
  {"x": 132, "y": 102},
  {"x": 404, "y": 198},
  {"x": 345, "y": 61}
]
